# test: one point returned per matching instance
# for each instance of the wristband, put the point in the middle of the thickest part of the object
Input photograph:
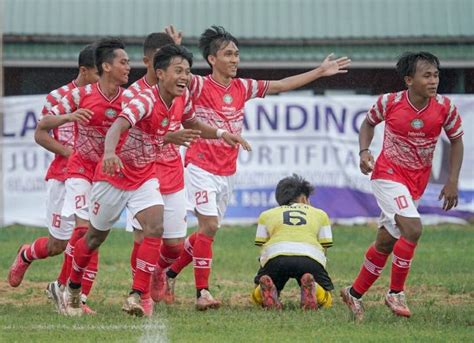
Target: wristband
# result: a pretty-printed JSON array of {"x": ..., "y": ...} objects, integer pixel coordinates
[
  {"x": 360, "y": 152},
  {"x": 219, "y": 133}
]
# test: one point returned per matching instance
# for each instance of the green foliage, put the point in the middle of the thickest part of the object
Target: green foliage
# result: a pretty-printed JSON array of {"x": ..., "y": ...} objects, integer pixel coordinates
[{"x": 440, "y": 293}]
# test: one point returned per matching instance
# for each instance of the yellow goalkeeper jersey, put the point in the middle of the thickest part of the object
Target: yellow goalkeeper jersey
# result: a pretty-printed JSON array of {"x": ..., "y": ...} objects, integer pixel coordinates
[{"x": 294, "y": 230}]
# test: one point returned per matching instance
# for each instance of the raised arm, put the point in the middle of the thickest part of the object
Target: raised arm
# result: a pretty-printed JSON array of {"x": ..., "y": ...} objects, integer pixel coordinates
[
  {"x": 329, "y": 67},
  {"x": 177, "y": 36},
  {"x": 450, "y": 189},
  {"x": 209, "y": 132}
]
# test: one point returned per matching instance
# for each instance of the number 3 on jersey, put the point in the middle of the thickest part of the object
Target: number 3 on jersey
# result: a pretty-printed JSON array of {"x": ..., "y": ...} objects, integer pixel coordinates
[{"x": 294, "y": 217}]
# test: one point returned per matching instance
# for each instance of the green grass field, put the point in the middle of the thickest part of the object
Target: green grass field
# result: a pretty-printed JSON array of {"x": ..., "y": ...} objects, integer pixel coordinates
[{"x": 440, "y": 293}]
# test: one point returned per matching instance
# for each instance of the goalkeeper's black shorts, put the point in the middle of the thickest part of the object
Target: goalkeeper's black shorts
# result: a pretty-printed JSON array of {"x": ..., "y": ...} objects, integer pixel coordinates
[{"x": 283, "y": 268}]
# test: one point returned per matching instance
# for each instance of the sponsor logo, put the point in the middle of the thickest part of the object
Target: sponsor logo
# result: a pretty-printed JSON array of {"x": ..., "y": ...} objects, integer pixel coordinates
[
  {"x": 202, "y": 263},
  {"x": 417, "y": 124},
  {"x": 227, "y": 98},
  {"x": 90, "y": 276},
  {"x": 416, "y": 134},
  {"x": 110, "y": 113}
]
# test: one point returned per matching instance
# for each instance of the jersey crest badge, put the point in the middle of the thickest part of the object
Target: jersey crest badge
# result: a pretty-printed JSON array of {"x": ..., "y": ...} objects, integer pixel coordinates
[
  {"x": 110, "y": 113},
  {"x": 164, "y": 122},
  {"x": 417, "y": 124},
  {"x": 227, "y": 99}
]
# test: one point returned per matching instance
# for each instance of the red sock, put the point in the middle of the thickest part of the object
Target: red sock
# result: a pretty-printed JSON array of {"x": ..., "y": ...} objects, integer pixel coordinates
[
  {"x": 370, "y": 270},
  {"x": 133, "y": 257},
  {"x": 90, "y": 273},
  {"x": 38, "y": 250},
  {"x": 403, "y": 252},
  {"x": 78, "y": 232},
  {"x": 202, "y": 260},
  {"x": 82, "y": 256},
  {"x": 147, "y": 257},
  {"x": 67, "y": 262},
  {"x": 169, "y": 254},
  {"x": 186, "y": 255}
]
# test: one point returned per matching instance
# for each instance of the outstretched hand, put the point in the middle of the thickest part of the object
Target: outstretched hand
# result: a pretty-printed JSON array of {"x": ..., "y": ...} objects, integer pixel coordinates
[
  {"x": 450, "y": 195},
  {"x": 331, "y": 67},
  {"x": 182, "y": 137},
  {"x": 82, "y": 115},
  {"x": 233, "y": 140},
  {"x": 173, "y": 33}
]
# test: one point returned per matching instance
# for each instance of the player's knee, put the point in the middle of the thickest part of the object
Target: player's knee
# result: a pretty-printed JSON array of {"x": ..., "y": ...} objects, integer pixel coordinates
[
  {"x": 414, "y": 233},
  {"x": 385, "y": 247},
  {"x": 209, "y": 228},
  {"x": 154, "y": 229},
  {"x": 138, "y": 236},
  {"x": 410, "y": 228},
  {"x": 94, "y": 239},
  {"x": 55, "y": 246}
]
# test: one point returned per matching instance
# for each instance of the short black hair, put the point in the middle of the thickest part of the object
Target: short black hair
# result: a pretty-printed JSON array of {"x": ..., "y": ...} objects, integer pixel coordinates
[
  {"x": 86, "y": 56},
  {"x": 155, "y": 41},
  {"x": 290, "y": 188},
  {"x": 213, "y": 39},
  {"x": 105, "y": 51},
  {"x": 406, "y": 65},
  {"x": 163, "y": 57}
]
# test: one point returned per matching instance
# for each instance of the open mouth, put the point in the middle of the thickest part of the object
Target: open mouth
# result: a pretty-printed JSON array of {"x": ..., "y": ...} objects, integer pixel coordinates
[{"x": 181, "y": 85}]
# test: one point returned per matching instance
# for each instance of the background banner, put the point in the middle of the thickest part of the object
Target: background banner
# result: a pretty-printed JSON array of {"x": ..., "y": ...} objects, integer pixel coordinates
[{"x": 316, "y": 137}]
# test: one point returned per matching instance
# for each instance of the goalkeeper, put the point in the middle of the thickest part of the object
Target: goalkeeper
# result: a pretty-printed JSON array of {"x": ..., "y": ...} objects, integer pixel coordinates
[{"x": 294, "y": 237}]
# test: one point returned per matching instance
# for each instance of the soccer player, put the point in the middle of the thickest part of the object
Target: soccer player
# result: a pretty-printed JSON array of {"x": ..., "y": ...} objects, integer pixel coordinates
[
  {"x": 294, "y": 237},
  {"x": 127, "y": 178},
  {"x": 96, "y": 106},
  {"x": 61, "y": 144},
  {"x": 219, "y": 101},
  {"x": 170, "y": 176},
  {"x": 413, "y": 122}
]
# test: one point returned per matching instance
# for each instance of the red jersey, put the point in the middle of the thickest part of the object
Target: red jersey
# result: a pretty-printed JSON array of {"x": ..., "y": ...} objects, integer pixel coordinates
[
  {"x": 150, "y": 119},
  {"x": 89, "y": 138},
  {"x": 63, "y": 134},
  {"x": 170, "y": 171},
  {"x": 410, "y": 137},
  {"x": 221, "y": 107}
]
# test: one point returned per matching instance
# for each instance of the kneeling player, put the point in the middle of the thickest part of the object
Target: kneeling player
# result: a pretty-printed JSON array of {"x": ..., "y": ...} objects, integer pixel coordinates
[{"x": 294, "y": 237}]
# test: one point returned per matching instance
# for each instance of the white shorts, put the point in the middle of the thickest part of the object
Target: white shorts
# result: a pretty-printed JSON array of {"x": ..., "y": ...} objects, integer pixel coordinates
[
  {"x": 174, "y": 218},
  {"x": 393, "y": 198},
  {"x": 208, "y": 193},
  {"x": 77, "y": 198},
  {"x": 59, "y": 226},
  {"x": 108, "y": 202}
]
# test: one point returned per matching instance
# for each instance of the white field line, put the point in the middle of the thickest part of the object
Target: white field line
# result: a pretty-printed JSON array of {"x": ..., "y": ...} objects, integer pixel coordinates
[
  {"x": 155, "y": 330},
  {"x": 151, "y": 326}
]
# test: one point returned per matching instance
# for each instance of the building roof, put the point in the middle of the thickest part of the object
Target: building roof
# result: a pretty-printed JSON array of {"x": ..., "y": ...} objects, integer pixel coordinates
[{"x": 281, "y": 32}]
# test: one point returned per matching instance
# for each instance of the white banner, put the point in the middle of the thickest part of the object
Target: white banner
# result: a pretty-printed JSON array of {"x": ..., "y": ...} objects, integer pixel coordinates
[
  {"x": 315, "y": 137},
  {"x": 24, "y": 162}
]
